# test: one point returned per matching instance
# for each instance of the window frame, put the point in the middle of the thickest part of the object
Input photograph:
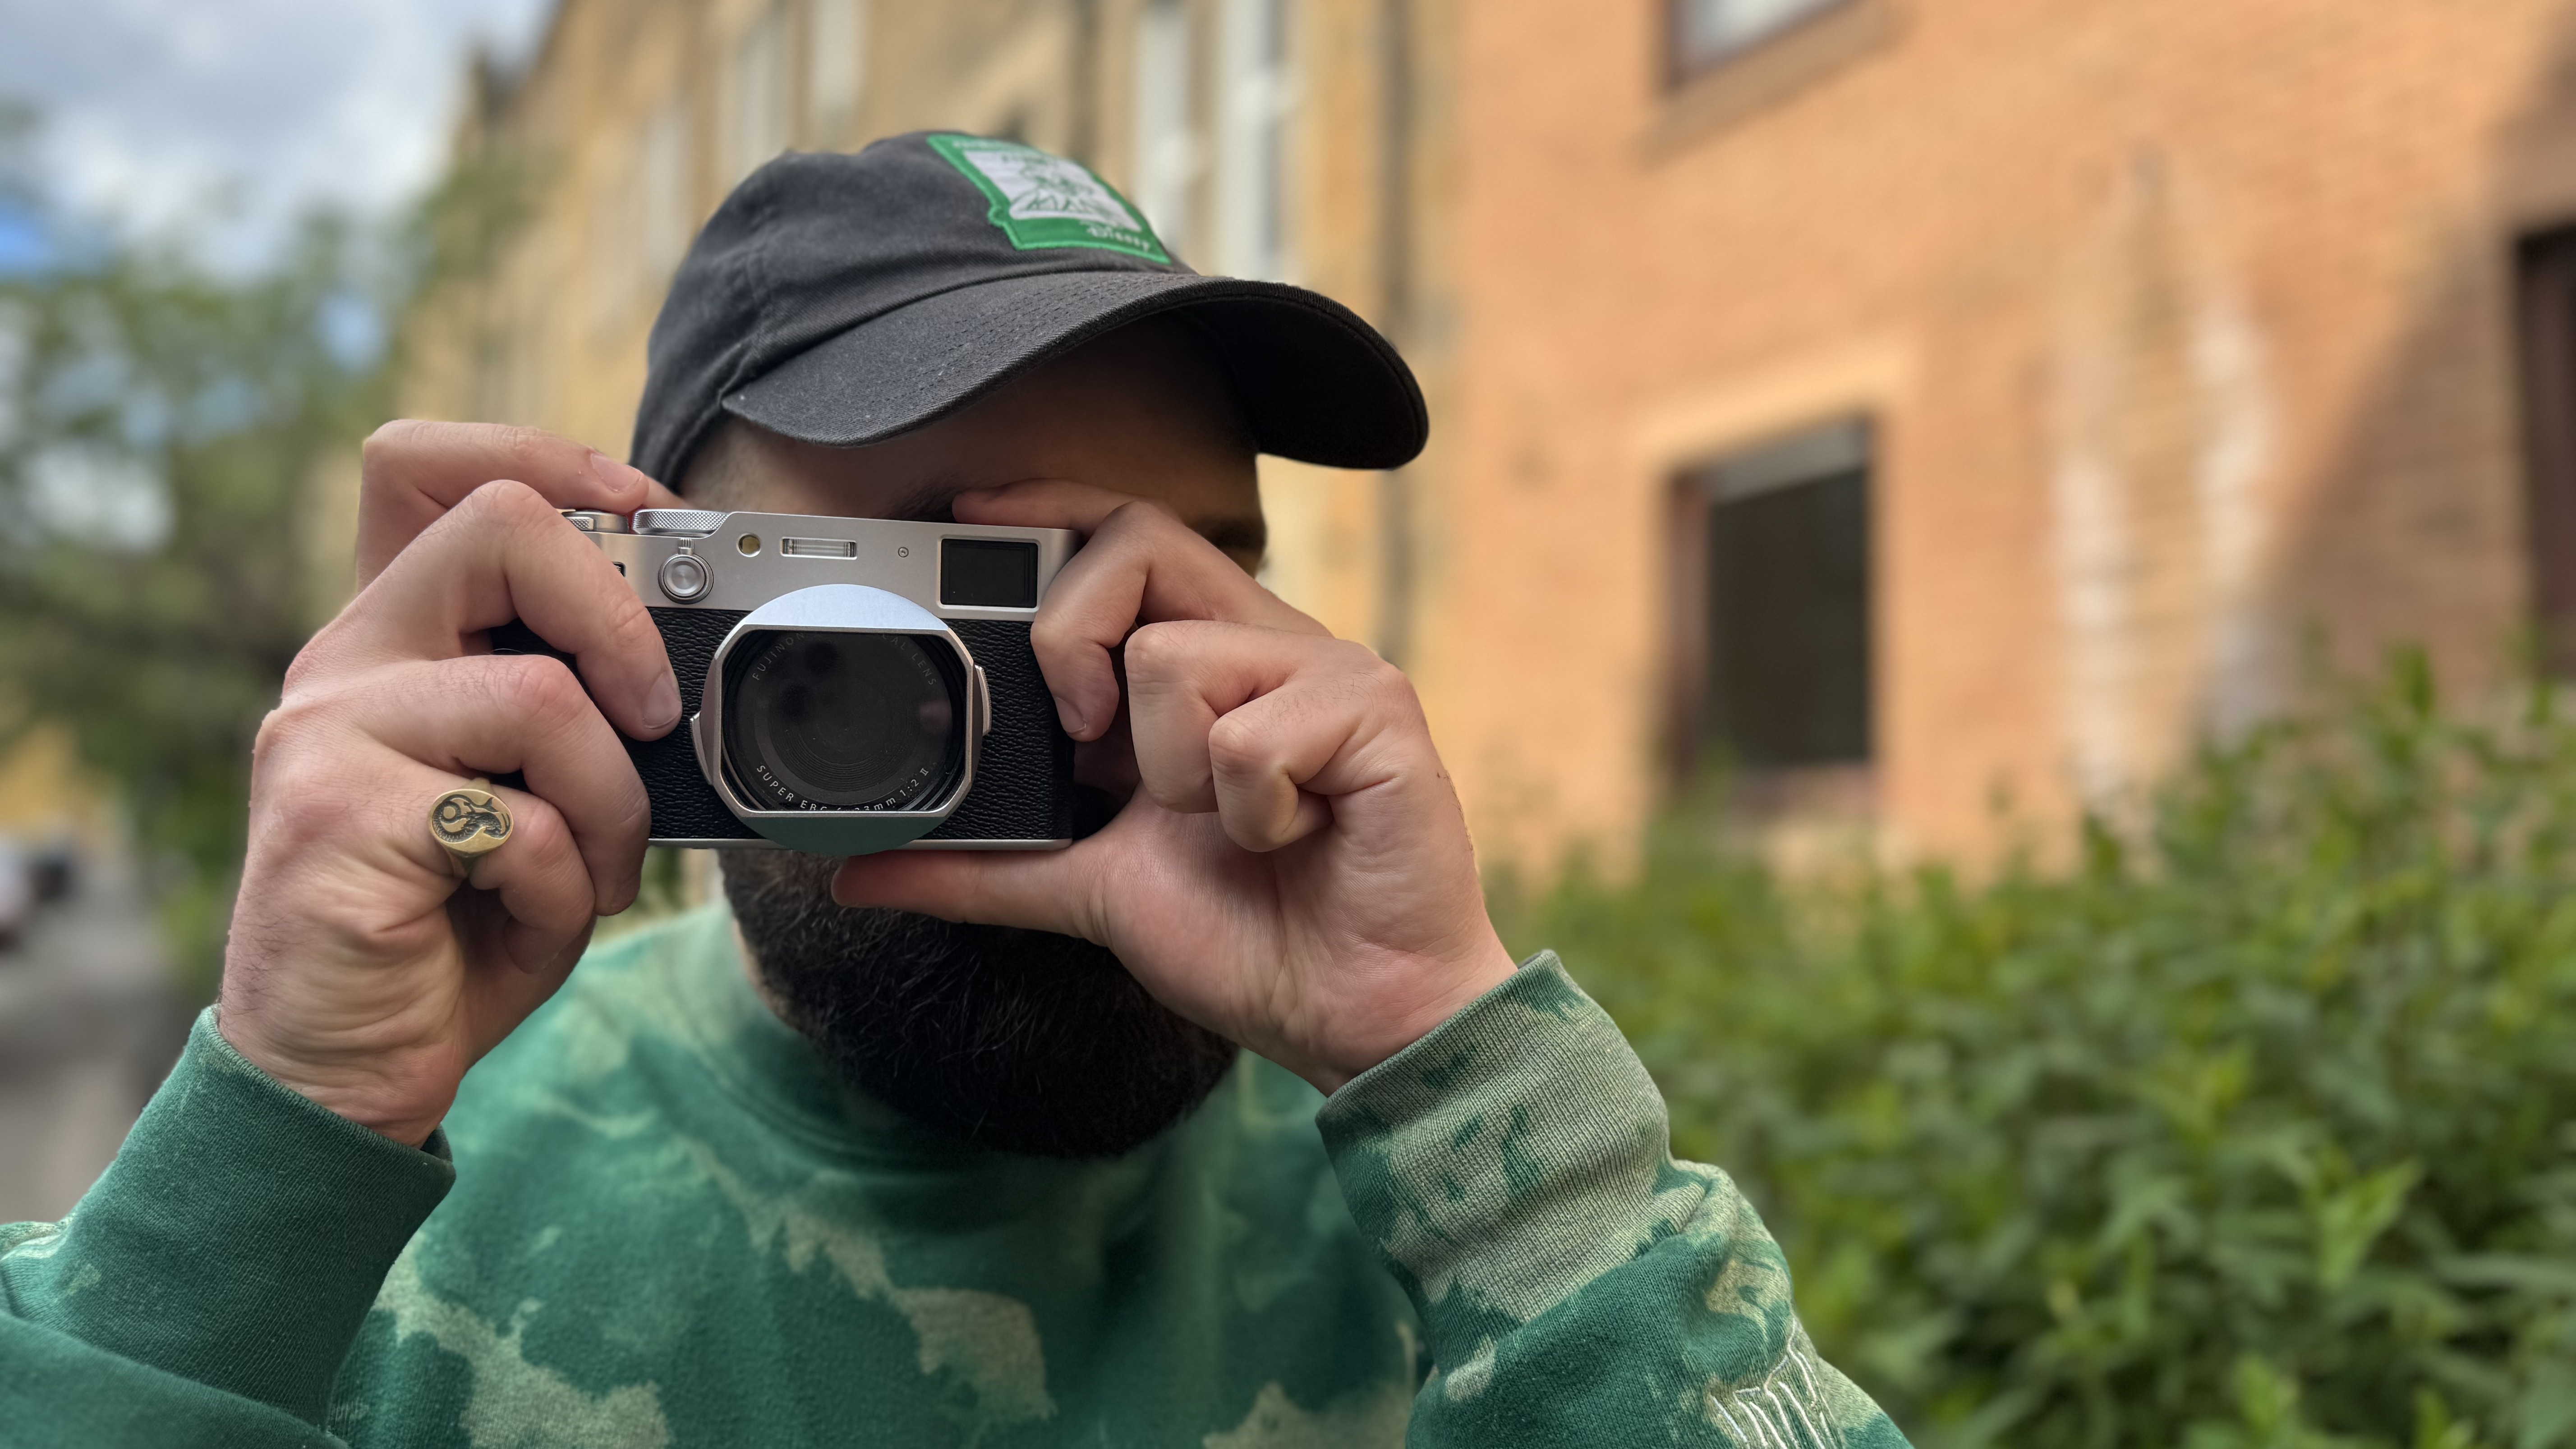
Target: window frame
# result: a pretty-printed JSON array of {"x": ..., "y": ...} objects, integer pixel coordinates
[
  {"x": 1167, "y": 144},
  {"x": 1681, "y": 67}
]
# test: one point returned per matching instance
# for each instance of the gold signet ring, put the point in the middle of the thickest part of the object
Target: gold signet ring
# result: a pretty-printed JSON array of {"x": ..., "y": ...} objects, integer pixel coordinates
[{"x": 470, "y": 821}]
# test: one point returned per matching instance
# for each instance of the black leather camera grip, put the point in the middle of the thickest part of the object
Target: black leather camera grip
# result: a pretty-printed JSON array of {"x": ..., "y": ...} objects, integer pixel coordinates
[
  {"x": 1023, "y": 789},
  {"x": 685, "y": 806},
  {"x": 1024, "y": 786}
]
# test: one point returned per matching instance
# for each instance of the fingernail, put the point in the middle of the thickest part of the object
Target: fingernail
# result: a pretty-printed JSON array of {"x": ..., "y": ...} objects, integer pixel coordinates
[
  {"x": 619, "y": 477},
  {"x": 662, "y": 706},
  {"x": 1071, "y": 716}
]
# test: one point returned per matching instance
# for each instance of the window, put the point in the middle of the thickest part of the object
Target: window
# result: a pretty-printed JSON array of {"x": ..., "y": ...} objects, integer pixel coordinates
[
  {"x": 1164, "y": 160},
  {"x": 2546, "y": 300},
  {"x": 1707, "y": 32},
  {"x": 664, "y": 195},
  {"x": 756, "y": 115},
  {"x": 836, "y": 37},
  {"x": 615, "y": 268},
  {"x": 1782, "y": 573},
  {"x": 1259, "y": 98}
]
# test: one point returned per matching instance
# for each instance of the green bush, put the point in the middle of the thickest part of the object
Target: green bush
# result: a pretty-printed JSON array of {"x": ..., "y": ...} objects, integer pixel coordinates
[{"x": 2253, "y": 1125}]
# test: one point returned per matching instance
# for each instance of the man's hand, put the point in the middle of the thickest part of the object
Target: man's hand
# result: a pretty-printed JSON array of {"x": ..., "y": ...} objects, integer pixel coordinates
[
  {"x": 359, "y": 973},
  {"x": 1293, "y": 871}
]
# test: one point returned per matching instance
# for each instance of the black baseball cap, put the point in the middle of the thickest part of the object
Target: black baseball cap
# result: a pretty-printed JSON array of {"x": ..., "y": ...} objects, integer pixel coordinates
[{"x": 842, "y": 299}]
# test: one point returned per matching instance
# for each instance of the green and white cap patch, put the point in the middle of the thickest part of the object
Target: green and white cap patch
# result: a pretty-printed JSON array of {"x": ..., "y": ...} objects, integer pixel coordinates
[{"x": 1042, "y": 200}]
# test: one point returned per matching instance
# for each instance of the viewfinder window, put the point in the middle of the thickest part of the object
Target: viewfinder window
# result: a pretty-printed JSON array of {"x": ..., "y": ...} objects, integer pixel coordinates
[{"x": 988, "y": 573}]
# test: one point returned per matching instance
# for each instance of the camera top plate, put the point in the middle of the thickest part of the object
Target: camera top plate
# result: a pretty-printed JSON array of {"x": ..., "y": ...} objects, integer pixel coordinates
[{"x": 747, "y": 559}]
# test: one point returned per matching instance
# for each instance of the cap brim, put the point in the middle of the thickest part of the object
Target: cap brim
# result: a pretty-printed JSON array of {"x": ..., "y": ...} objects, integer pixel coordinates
[{"x": 1315, "y": 382}]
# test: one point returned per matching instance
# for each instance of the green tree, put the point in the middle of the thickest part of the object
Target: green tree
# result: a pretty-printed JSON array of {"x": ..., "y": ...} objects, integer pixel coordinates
[{"x": 164, "y": 423}]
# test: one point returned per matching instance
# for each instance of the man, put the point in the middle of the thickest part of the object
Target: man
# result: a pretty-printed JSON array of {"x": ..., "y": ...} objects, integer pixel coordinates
[{"x": 920, "y": 1148}]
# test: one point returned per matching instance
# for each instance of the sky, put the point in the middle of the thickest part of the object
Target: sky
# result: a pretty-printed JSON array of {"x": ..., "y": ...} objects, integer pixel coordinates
[{"x": 222, "y": 120}]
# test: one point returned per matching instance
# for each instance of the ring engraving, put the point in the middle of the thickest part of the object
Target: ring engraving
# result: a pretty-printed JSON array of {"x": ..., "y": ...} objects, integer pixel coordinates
[{"x": 470, "y": 821}]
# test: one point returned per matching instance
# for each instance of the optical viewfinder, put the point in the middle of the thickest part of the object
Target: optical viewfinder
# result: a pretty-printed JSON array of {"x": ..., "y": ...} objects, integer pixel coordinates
[{"x": 988, "y": 573}]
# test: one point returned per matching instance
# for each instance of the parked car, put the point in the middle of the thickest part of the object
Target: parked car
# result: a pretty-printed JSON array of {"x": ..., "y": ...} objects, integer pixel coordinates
[{"x": 17, "y": 893}]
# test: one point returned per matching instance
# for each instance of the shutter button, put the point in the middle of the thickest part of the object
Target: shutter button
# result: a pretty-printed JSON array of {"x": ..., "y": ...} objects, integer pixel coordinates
[{"x": 683, "y": 577}]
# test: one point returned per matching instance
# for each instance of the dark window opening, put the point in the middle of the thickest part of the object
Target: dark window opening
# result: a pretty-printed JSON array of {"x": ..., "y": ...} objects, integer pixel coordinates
[
  {"x": 2546, "y": 301},
  {"x": 1781, "y": 535}
]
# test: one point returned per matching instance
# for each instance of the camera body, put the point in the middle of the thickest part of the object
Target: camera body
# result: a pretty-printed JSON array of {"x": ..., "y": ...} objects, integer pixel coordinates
[{"x": 847, "y": 685}]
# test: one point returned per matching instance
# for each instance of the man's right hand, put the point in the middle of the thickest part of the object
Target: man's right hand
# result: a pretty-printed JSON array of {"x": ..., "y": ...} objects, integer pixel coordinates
[{"x": 361, "y": 972}]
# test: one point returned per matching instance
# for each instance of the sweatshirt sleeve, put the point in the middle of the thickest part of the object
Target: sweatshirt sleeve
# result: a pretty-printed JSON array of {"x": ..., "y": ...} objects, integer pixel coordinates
[
  {"x": 1576, "y": 1284},
  {"x": 206, "y": 1288}
]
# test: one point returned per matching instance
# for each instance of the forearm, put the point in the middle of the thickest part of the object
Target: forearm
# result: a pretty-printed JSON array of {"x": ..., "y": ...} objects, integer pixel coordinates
[
  {"x": 1576, "y": 1284},
  {"x": 234, "y": 1245}
]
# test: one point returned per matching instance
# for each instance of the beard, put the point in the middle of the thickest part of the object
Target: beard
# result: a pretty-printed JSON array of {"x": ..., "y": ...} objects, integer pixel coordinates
[{"x": 1021, "y": 1041}]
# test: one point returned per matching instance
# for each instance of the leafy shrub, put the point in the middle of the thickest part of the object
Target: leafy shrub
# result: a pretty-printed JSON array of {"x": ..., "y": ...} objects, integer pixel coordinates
[{"x": 2253, "y": 1125}]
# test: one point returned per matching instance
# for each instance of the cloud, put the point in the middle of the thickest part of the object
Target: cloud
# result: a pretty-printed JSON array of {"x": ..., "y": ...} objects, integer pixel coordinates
[{"x": 159, "y": 114}]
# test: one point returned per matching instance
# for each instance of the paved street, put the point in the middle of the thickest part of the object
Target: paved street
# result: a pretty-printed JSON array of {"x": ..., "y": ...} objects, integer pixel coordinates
[{"x": 87, "y": 1028}]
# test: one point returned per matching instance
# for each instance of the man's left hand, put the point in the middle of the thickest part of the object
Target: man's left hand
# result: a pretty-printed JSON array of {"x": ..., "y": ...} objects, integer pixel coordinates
[{"x": 1293, "y": 870}]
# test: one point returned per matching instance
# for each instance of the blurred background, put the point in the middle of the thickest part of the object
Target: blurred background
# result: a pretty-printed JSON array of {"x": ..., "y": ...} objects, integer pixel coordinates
[{"x": 1999, "y": 567}]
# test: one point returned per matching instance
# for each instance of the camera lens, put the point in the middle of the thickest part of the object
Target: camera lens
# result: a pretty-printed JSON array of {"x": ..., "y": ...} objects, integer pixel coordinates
[{"x": 831, "y": 721}]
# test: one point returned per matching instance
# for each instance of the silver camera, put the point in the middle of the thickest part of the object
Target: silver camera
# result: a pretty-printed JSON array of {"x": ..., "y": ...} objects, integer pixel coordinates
[{"x": 848, "y": 685}]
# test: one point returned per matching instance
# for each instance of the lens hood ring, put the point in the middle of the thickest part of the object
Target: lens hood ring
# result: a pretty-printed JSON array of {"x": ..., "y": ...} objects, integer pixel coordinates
[{"x": 844, "y": 609}]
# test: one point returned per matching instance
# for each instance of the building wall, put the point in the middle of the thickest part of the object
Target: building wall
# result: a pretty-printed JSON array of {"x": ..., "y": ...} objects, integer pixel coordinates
[{"x": 2183, "y": 327}]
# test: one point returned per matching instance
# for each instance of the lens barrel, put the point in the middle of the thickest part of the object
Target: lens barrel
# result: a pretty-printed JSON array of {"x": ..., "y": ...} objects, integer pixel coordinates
[{"x": 833, "y": 720}]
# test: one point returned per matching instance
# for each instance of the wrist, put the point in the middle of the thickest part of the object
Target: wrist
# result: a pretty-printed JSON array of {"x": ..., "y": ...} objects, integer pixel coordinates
[
  {"x": 359, "y": 1092},
  {"x": 1446, "y": 990}
]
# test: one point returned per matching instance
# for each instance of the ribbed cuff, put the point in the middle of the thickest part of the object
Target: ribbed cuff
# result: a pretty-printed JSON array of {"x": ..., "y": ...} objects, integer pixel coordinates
[
  {"x": 238, "y": 1239},
  {"x": 1507, "y": 1158}
]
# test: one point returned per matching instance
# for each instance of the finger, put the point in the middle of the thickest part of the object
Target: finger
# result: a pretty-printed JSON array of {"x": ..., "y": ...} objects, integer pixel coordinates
[
  {"x": 412, "y": 471},
  {"x": 539, "y": 877},
  {"x": 1043, "y": 503},
  {"x": 1261, "y": 727},
  {"x": 372, "y": 812},
  {"x": 524, "y": 967},
  {"x": 492, "y": 715},
  {"x": 1141, "y": 563},
  {"x": 1175, "y": 697},
  {"x": 505, "y": 554},
  {"x": 1198, "y": 580},
  {"x": 498, "y": 1001},
  {"x": 1043, "y": 890},
  {"x": 1265, "y": 754}
]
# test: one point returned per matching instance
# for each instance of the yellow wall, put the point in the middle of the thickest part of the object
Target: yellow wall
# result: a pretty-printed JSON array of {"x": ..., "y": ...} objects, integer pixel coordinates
[{"x": 44, "y": 791}]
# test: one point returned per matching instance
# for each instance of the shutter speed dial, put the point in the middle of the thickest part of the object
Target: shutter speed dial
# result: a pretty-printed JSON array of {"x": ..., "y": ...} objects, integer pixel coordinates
[{"x": 684, "y": 577}]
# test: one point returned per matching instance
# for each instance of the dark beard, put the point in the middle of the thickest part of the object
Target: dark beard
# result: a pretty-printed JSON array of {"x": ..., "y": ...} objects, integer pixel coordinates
[{"x": 1023, "y": 1041}]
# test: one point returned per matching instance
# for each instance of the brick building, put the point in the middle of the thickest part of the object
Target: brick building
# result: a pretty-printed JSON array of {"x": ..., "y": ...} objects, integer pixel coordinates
[{"x": 1919, "y": 404}]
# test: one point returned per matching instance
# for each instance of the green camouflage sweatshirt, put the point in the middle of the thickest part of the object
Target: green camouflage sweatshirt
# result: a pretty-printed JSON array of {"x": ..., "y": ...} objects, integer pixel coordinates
[{"x": 655, "y": 1217}]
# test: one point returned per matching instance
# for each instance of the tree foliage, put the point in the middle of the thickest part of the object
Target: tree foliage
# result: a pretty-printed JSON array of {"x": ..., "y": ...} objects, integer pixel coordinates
[
  {"x": 2256, "y": 1126},
  {"x": 165, "y": 423},
  {"x": 163, "y": 426}
]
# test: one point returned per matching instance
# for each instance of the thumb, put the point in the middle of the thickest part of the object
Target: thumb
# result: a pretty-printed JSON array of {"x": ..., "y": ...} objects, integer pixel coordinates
[{"x": 1049, "y": 890}]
